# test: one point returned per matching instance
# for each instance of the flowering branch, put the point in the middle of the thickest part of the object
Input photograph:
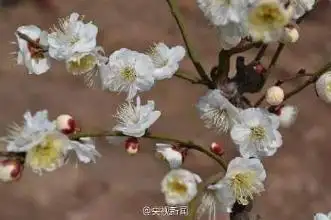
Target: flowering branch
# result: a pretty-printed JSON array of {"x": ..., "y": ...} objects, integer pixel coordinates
[
  {"x": 176, "y": 14},
  {"x": 182, "y": 144}
]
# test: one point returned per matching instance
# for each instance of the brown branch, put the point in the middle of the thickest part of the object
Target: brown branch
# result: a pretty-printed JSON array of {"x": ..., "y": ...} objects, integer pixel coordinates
[
  {"x": 261, "y": 52},
  {"x": 32, "y": 42},
  {"x": 301, "y": 73},
  {"x": 176, "y": 14}
]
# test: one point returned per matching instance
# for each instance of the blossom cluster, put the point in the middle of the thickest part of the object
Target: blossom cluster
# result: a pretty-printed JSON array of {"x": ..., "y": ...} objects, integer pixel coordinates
[{"x": 254, "y": 131}]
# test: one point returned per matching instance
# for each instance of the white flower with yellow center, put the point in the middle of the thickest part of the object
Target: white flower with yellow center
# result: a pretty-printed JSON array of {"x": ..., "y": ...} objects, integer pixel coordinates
[
  {"x": 72, "y": 36},
  {"x": 85, "y": 150},
  {"x": 127, "y": 71},
  {"x": 166, "y": 60},
  {"x": 45, "y": 146},
  {"x": 244, "y": 179},
  {"x": 256, "y": 133},
  {"x": 134, "y": 120},
  {"x": 173, "y": 157},
  {"x": 222, "y": 12},
  {"x": 216, "y": 111},
  {"x": 34, "y": 58},
  {"x": 266, "y": 20},
  {"x": 321, "y": 216},
  {"x": 301, "y": 7},
  {"x": 180, "y": 186},
  {"x": 323, "y": 87}
]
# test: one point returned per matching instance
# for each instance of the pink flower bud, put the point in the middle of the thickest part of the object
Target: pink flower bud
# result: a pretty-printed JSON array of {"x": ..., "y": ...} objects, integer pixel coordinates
[
  {"x": 10, "y": 170},
  {"x": 217, "y": 148},
  {"x": 66, "y": 124},
  {"x": 132, "y": 145}
]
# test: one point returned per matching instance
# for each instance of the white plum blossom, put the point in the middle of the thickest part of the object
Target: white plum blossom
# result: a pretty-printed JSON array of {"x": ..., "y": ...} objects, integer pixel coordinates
[
  {"x": 72, "y": 36},
  {"x": 85, "y": 150},
  {"x": 46, "y": 147},
  {"x": 222, "y": 12},
  {"x": 287, "y": 115},
  {"x": 321, "y": 216},
  {"x": 127, "y": 71},
  {"x": 230, "y": 35},
  {"x": 180, "y": 186},
  {"x": 134, "y": 120},
  {"x": 244, "y": 179},
  {"x": 266, "y": 20},
  {"x": 323, "y": 87},
  {"x": 301, "y": 7},
  {"x": 32, "y": 56},
  {"x": 166, "y": 60},
  {"x": 256, "y": 133},
  {"x": 216, "y": 111},
  {"x": 173, "y": 157}
]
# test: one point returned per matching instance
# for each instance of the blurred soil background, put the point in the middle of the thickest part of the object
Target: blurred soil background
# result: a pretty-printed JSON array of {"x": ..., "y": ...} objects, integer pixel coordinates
[{"x": 118, "y": 186}]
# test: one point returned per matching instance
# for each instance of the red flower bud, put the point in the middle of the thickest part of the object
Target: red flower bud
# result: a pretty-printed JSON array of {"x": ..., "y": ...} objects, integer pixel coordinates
[
  {"x": 66, "y": 124},
  {"x": 217, "y": 148},
  {"x": 132, "y": 145},
  {"x": 10, "y": 170}
]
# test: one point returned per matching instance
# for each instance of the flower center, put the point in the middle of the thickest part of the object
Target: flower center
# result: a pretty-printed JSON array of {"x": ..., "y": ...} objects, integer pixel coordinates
[
  {"x": 243, "y": 187},
  {"x": 225, "y": 2},
  {"x": 74, "y": 40},
  {"x": 128, "y": 73},
  {"x": 328, "y": 87},
  {"x": 177, "y": 186},
  {"x": 127, "y": 114},
  {"x": 258, "y": 133},
  {"x": 158, "y": 59},
  {"x": 45, "y": 155},
  {"x": 82, "y": 65},
  {"x": 268, "y": 15}
]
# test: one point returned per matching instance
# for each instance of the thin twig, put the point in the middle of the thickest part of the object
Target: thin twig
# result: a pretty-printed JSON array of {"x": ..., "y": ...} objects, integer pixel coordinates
[
  {"x": 312, "y": 79},
  {"x": 193, "y": 81},
  {"x": 32, "y": 42},
  {"x": 261, "y": 52},
  {"x": 176, "y": 14},
  {"x": 298, "y": 75},
  {"x": 184, "y": 144},
  {"x": 244, "y": 48}
]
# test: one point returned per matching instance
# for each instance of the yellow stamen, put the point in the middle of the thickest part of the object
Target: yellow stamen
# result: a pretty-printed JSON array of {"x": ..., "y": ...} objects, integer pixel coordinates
[
  {"x": 128, "y": 73},
  {"x": 45, "y": 155},
  {"x": 176, "y": 186},
  {"x": 82, "y": 65},
  {"x": 243, "y": 187},
  {"x": 328, "y": 86},
  {"x": 258, "y": 133}
]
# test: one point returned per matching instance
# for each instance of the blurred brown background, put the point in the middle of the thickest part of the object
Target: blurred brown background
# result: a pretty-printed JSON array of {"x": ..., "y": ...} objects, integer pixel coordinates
[{"x": 118, "y": 186}]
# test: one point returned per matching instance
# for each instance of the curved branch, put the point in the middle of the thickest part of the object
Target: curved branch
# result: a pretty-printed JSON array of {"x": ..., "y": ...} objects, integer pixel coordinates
[
  {"x": 175, "y": 13},
  {"x": 184, "y": 144}
]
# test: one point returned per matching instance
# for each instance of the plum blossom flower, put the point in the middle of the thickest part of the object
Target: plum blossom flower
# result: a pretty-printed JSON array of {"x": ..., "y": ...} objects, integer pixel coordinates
[
  {"x": 85, "y": 150},
  {"x": 301, "y": 7},
  {"x": 321, "y": 216},
  {"x": 216, "y": 111},
  {"x": 166, "y": 60},
  {"x": 46, "y": 147},
  {"x": 134, "y": 120},
  {"x": 72, "y": 36},
  {"x": 180, "y": 186},
  {"x": 323, "y": 87},
  {"x": 266, "y": 20},
  {"x": 127, "y": 71},
  {"x": 287, "y": 115},
  {"x": 256, "y": 133},
  {"x": 244, "y": 179},
  {"x": 222, "y": 12},
  {"x": 34, "y": 58},
  {"x": 173, "y": 157}
]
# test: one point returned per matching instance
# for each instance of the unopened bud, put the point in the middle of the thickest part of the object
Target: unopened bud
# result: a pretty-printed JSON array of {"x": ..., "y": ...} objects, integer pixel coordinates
[
  {"x": 217, "y": 148},
  {"x": 132, "y": 145},
  {"x": 66, "y": 124},
  {"x": 290, "y": 35},
  {"x": 274, "y": 95},
  {"x": 10, "y": 170}
]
